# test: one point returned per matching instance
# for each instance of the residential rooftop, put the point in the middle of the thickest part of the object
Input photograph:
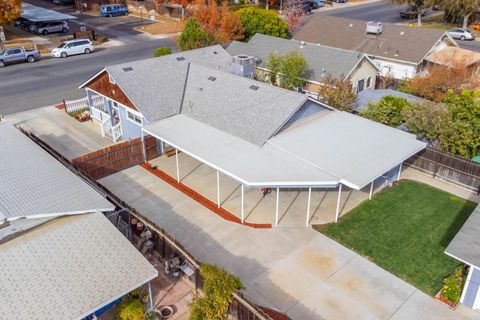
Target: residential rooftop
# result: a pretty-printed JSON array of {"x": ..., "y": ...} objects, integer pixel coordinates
[
  {"x": 396, "y": 42},
  {"x": 322, "y": 60}
]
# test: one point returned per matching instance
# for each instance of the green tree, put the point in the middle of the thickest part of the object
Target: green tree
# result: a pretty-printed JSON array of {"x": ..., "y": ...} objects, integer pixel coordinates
[
  {"x": 387, "y": 111},
  {"x": 262, "y": 21},
  {"x": 162, "y": 51},
  {"x": 287, "y": 70},
  {"x": 337, "y": 93},
  {"x": 218, "y": 286},
  {"x": 463, "y": 8},
  {"x": 419, "y": 5},
  {"x": 193, "y": 36}
]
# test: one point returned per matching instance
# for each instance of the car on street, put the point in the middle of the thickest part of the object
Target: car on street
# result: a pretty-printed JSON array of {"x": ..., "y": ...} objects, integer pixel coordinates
[
  {"x": 339, "y": 1},
  {"x": 411, "y": 12},
  {"x": 314, "y": 4},
  {"x": 50, "y": 27},
  {"x": 62, "y": 2},
  {"x": 16, "y": 55},
  {"x": 461, "y": 34},
  {"x": 73, "y": 47},
  {"x": 110, "y": 10}
]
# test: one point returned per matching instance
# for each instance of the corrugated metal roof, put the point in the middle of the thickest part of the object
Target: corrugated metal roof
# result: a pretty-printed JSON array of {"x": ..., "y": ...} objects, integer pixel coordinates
[
  {"x": 466, "y": 244},
  {"x": 68, "y": 268},
  {"x": 33, "y": 183},
  {"x": 321, "y": 60}
]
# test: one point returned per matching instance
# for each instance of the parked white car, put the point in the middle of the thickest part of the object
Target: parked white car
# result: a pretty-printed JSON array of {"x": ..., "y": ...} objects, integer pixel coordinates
[
  {"x": 461, "y": 34},
  {"x": 73, "y": 47}
]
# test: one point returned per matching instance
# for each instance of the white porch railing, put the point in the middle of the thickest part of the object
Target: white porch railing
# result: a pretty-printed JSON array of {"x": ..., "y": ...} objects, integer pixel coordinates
[{"x": 117, "y": 132}]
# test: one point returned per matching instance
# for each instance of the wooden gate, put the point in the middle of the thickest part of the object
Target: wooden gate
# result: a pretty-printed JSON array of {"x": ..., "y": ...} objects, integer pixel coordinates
[{"x": 115, "y": 158}]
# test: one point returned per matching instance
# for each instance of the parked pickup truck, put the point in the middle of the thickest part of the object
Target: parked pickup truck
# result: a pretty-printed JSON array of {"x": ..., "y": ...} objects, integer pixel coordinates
[{"x": 14, "y": 55}]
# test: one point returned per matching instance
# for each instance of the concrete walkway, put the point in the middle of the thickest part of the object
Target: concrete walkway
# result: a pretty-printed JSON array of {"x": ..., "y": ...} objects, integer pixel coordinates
[
  {"x": 68, "y": 136},
  {"x": 297, "y": 271}
]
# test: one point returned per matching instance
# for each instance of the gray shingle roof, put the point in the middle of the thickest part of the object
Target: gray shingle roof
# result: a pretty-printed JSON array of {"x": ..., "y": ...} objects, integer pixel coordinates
[
  {"x": 321, "y": 60},
  {"x": 230, "y": 105},
  {"x": 33, "y": 183},
  {"x": 68, "y": 268},
  {"x": 155, "y": 85},
  {"x": 397, "y": 42},
  {"x": 374, "y": 96},
  {"x": 466, "y": 243}
]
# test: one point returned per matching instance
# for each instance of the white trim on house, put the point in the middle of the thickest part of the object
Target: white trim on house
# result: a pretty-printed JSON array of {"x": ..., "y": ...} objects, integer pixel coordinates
[
  {"x": 465, "y": 287},
  {"x": 134, "y": 114},
  {"x": 96, "y": 75}
]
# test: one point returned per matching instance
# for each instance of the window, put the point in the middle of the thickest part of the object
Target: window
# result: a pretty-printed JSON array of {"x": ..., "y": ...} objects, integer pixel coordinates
[
  {"x": 134, "y": 118},
  {"x": 360, "y": 85},
  {"x": 369, "y": 82}
]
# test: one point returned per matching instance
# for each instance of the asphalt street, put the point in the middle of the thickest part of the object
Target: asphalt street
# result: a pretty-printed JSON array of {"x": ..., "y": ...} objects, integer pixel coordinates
[{"x": 46, "y": 82}]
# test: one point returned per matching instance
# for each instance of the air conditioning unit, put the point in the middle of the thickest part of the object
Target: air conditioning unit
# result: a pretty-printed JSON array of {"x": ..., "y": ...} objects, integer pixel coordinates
[{"x": 374, "y": 27}]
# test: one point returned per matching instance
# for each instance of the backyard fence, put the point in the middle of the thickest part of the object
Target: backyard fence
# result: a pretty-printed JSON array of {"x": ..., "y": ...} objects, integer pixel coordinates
[
  {"x": 240, "y": 308},
  {"x": 116, "y": 158},
  {"x": 81, "y": 104},
  {"x": 449, "y": 167}
]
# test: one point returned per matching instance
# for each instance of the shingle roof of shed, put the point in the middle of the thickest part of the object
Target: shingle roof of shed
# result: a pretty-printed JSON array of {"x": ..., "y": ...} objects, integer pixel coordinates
[
  {"x": 321, "y": 59},
  {"x": 397, "y": 42}
]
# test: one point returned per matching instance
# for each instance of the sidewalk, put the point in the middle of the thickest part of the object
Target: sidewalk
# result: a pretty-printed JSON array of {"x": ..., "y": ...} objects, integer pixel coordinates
[{"x": 297, "y": 271}]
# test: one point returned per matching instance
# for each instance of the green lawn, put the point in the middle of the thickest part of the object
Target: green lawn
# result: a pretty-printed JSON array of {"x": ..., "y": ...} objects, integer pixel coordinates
[{"x": 405, "y": 230}]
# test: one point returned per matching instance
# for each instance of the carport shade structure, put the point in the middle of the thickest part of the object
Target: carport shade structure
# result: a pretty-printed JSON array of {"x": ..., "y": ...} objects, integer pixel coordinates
[{"x": 39, "y": 14}]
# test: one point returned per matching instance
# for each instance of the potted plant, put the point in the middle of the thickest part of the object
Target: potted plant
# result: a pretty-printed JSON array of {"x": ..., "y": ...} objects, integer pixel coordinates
[{"x": 152, "y": 315}]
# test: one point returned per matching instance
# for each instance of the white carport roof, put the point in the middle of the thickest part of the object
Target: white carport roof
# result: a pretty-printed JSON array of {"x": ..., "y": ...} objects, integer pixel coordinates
[
  {"x": 34, "y": 13},
  {"x": 320, "y": 151},
  {"x": 245, "y": 162},
  {"x": 34, "y": 184},
  {"x": 68, "y": 268}
]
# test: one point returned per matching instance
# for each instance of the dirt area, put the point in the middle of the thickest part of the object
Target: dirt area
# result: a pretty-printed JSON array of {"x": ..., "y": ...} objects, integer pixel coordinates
[{"x": 164, "y": 26}]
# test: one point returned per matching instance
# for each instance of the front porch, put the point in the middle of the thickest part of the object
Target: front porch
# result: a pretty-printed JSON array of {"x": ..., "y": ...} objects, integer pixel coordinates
[{"x": 295, "y": 209}]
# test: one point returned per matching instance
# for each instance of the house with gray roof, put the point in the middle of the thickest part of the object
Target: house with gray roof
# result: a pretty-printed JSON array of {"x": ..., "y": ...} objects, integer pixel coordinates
[
  {"x": 465, "y": 247},
  {"x": 398, "y": 51},
  {"x": 60, "y": 256},
  {"x": 342, "y": 64},
  {"x": 259, "y": 135}
]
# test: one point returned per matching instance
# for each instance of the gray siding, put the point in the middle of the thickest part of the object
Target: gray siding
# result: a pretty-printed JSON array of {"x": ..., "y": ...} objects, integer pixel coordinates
[
  {"x": 472, "y": 288},
  {"x": 130, "y": 130}
]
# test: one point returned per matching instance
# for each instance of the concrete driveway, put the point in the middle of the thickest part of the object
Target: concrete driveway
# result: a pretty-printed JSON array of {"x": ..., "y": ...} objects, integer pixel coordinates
[{"x": 294, "y": 270}]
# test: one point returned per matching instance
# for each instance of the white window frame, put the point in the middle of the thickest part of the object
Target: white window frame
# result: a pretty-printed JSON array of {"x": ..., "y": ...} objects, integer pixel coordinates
[{"x": 136, "y": 114}]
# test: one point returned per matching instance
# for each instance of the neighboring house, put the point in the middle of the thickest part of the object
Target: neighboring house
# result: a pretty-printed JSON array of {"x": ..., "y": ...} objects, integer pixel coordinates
[
  {"x": 465, "y": 247},
  {"x": 454, "y": 56},
  {"x": 322, "y": 60},
  {"x": 258, "y": 134},
  {"x": 364, "y": 98},
  {"x": 398, "y": 51},
  {"x": 60, "y": 257}
]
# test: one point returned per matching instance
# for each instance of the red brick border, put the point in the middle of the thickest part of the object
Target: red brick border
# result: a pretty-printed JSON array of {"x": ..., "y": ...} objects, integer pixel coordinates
[{"x": 201, "y": 199}]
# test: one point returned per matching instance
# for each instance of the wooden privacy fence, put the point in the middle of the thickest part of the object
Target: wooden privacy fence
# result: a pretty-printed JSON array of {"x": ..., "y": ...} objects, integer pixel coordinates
[
  {"x": 116, "y": 158},
  {"x": 455, "y": 169}
]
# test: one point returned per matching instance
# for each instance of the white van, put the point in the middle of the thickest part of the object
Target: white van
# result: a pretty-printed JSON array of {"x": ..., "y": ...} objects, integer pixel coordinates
[{"x": 73, "y": 47}]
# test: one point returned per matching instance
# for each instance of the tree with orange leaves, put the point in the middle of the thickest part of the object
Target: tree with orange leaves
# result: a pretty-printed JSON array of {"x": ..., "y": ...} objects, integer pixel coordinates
[
  {"x": 9, "y": 11},
  {"x": 184, "y": 4},
  {"x": 221, "y": 22}
]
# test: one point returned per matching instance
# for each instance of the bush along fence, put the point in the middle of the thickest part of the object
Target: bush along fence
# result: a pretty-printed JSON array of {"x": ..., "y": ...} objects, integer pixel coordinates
[
  {"x": 164, "y": 244},
  {"x": 117, "y": 157},
  {"x": 452, "y": 168}
]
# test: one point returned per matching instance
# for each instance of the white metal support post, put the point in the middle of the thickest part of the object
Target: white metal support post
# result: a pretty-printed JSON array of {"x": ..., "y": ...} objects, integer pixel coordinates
[
  {"x": 161, "y": 147},
  {"x": 308, "y": 206},
  {"x": 144, "y": 150},
  {"x": 276, "y": 206},
  {"x": 218, "y": 189},
  {"x": 243, "y": 211},
  {"x": 150, "y": 294},
  {"x": 371, "y": 191},
  {"x": 176, "y": 160},
  {"x": 337, "y": 214},
  {"x": 399, "y": 171}
]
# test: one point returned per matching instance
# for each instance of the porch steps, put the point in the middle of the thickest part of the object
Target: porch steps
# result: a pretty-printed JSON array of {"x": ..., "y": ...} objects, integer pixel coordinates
[{"x": 201, "y": 199}]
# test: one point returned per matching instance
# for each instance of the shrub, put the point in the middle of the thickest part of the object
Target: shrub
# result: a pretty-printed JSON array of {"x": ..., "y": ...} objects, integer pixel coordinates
[
  {"x": 131, "y": 309},
  {"x": 452, "y": 286},
  {"x": 287, "y": 70},
  {"x": 262, "y": 21},
  {"x": 163, "y": 51},
  {"x": 218, "y": 286},
  {"x": 387, "y": 111},
  {"x": 194, "y": 36}
]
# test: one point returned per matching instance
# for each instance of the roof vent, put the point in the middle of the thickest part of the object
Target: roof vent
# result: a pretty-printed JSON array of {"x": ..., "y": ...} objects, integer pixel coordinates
[
  {"x": 212, "y": 78},
  {"x": 214, "y": 52},
  {"x": 127, "y": 69},
  {"x": 254, "y": 87},
  {"x": 180, "y": 58},
  {"x": 350, "y": 25},
  {"x": 396, "y": 53},
  {"x": 402, "y": 33}
]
